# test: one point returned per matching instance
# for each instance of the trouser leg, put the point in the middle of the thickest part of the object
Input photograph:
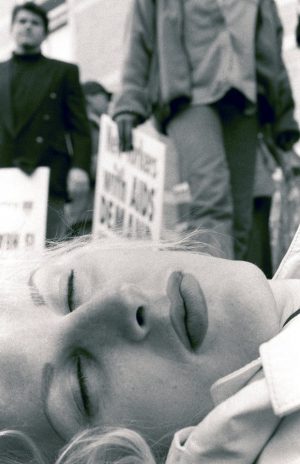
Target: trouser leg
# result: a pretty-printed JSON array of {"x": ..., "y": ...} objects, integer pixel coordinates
[
  {"x": 240, "y": 138},
  {"x": 56, "y": 229},
  {"x": 259, "y": 251},
  {"x": 198, "y": 138}
]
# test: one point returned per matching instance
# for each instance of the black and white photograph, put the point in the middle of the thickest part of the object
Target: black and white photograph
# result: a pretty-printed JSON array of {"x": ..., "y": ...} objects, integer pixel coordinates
[{"x": 149, "y": 231}]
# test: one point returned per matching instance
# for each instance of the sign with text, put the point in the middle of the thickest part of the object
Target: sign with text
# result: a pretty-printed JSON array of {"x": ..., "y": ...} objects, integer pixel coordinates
[
  {"x": 23, "y": 209},
  {"x": 129, "y": 186}
]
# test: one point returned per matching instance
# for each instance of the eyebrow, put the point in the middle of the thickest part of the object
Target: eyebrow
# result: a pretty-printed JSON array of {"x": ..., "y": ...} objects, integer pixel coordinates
[
  {"x": 35, "y": 294},
  {"x": 47, "y": 378}
]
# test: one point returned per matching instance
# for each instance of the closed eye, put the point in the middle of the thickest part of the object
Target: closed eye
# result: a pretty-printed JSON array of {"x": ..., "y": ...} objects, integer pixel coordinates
[
  {"x": 82, "y": 381},
  {"x": 70, "y": 291}
]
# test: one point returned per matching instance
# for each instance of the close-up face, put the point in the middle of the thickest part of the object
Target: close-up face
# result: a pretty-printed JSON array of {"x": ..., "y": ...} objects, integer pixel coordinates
[
  {"x": 28, "y": 31},
  {"x": 126, "y": 337}
]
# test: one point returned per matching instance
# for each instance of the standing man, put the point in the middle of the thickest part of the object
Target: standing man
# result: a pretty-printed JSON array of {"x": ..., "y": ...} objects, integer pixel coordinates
[
  {"x": 208, "y": 71},
  {"x": 43, "y": 119}
]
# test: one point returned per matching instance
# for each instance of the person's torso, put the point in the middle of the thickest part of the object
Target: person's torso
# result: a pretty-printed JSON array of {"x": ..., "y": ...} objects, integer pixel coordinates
[
  {"x": 219, "y": 38},
  {"x": 32, "y": 103}
]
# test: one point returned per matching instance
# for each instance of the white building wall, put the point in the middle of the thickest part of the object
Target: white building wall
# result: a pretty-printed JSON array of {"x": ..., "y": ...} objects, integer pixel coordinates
[{"x": 98, "y": 29}]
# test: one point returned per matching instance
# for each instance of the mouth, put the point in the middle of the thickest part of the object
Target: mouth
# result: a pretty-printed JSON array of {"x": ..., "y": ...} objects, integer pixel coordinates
[
  {"x": 188, "y": 311},
  {"x": 25, "y": 34},
  {"x": 25, "y": 38}
]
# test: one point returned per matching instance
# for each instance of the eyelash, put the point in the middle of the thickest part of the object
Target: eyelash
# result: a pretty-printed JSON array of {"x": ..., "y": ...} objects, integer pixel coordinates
[
  {"x": 70, "y": 291},
  {"x": 82, "y": 381}
]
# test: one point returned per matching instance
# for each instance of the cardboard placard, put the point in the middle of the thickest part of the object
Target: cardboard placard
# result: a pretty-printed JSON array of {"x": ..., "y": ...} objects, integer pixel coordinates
[
  {"x": 23, "y": 209},
  {"x": 129, "y": 186}
]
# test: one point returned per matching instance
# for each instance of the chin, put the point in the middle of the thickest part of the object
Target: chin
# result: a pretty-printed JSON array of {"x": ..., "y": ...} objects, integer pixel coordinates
[{"x": 28, "y": 46}]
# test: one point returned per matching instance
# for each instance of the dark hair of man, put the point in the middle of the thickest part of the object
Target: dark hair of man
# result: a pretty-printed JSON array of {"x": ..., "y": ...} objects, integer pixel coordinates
[
  {"x": 33, "y": 8},
  {"x": 95, "y": 88}
]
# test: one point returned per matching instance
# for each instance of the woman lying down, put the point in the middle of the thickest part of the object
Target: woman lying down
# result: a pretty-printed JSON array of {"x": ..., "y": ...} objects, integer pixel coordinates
[{"x": 119, "y": 353}]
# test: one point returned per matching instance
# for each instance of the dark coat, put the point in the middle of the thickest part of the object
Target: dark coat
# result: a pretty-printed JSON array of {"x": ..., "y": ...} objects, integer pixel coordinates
[{"x": 54, "y": 130}]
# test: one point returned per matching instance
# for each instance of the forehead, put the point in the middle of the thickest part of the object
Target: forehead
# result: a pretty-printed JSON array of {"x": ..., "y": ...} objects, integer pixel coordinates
[
  {"x": 144, "y": 263},
  {"x": 115, "y": 256},
  {"x": 27, "y": 14},
  {"x": 97, "y": 94},
  {"x": 99, "y": 98},
  {"x": 151, "y": 267}
]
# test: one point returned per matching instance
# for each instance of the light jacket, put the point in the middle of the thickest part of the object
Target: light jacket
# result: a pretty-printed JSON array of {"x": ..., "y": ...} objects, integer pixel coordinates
[
  {"x": 257, "y": 413},
  {"x": 156, "y": 74}
]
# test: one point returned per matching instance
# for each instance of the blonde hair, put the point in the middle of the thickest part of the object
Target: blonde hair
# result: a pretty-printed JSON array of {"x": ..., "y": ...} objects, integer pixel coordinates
[
  {"x": 18, "y": 448},
  {"x": 118, "y": 446},
  {"x": 92, "y": 446}
]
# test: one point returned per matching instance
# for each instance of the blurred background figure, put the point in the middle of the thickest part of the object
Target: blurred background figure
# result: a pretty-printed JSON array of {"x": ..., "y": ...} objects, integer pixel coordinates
[
  {"x": 285, "y": 211},
  {"x": 43, "y": 118},
  {"x": 278, "y": 133},
  {"x": 260, "y": 249},
  {"x": 97, "y": 99},
  {"x": 297, "y": 30},
  {"x": 80, "y": 211},
  {"x": 276, "y": 203},
  {"x": 189, "y": 72}
]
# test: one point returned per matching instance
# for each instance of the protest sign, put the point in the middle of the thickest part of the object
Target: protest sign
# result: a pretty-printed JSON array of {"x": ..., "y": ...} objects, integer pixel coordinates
[
  {"x": 23, "y": 209},
  {"x": 129, "y": 186}
]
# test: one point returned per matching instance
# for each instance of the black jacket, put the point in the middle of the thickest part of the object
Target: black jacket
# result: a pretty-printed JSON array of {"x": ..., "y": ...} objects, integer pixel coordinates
[{"x": 53, "y": 131}]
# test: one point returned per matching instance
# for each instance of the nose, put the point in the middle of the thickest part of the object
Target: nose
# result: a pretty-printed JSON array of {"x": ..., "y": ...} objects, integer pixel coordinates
[
  {"x": 27, "y": 25},
  {"x": 123, "y": 311}
]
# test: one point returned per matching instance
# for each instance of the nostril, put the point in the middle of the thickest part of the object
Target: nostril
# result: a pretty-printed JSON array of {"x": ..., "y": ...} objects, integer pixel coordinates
[{"x": 140, "y": 316}]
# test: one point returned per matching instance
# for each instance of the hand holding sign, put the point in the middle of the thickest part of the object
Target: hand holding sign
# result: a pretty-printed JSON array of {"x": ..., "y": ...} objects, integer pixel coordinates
[{"x": 126, "y": 122}]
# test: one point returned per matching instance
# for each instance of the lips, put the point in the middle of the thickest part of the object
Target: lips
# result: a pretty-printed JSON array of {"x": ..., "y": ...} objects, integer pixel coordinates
[{"x": 188, "y": 310}]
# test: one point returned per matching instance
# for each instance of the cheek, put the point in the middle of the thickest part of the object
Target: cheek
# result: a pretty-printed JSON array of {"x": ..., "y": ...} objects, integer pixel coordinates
[
  {"x": 14, "y": 364},
  {"x": 18, "y": 390},
  {"x": 153, "y": 396}
]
